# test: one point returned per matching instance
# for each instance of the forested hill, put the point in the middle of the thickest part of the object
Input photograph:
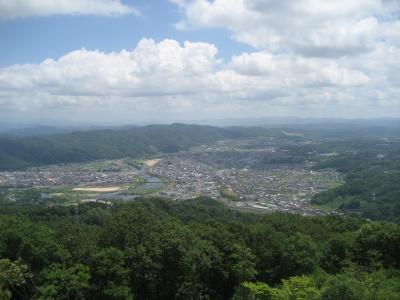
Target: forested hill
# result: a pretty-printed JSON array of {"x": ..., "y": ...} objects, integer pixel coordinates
[
  {"x": 158, "y": 249},
  {"x": 17, "y": 153}
]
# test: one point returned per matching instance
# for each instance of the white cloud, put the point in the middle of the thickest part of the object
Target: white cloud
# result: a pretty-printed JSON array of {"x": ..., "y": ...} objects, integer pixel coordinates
[
  {"x": 168, "y": 78},
  {"x": 150, "y": 70},
  {"x": 12, "y": 9},
  {"x": 315, "y": 28},
  {"x": 297, "y": 70}
]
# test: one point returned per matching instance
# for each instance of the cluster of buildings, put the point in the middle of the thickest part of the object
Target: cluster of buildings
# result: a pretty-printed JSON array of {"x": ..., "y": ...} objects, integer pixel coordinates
[
  {"x": 236, "y": 172},
  {"x": 188, "y": 178},
  {"x": 62, "y": 175},
  {"x": 281, "y": 188}
]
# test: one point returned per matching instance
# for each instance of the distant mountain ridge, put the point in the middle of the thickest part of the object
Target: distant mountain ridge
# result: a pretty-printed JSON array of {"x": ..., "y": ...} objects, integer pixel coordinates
[
  {"x": 79, "y": 146},
  {"x": 16, "y": 131}
]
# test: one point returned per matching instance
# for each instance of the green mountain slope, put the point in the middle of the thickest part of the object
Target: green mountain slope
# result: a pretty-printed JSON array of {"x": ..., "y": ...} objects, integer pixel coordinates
[{"x": 103, "y": 144}]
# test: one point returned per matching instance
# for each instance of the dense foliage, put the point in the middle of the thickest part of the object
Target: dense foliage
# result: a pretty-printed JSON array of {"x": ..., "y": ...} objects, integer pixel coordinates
[
  {"x": 157, "y": 249},
  {"x": 372, "y": 181}
]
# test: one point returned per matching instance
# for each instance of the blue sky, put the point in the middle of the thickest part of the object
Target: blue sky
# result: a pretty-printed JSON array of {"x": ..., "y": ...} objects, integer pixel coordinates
[
  {"x": 120, "y": 61},
  {"x": 31, "y": 40}
]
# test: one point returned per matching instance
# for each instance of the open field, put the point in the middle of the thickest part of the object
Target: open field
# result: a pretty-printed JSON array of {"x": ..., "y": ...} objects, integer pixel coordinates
[{"x": 151, "y": 162}]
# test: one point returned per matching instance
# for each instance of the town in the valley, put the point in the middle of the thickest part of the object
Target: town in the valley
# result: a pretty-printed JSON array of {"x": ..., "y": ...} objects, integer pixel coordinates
[{"x": 244, "y": 174}]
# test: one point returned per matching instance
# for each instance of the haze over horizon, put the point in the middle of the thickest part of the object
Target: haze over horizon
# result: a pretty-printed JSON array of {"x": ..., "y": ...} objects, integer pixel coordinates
[{"x": 129, "y": 62}]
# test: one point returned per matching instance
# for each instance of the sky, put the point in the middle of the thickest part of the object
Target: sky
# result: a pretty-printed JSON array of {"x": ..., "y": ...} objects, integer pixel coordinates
[{"x": 127, "y": 62}]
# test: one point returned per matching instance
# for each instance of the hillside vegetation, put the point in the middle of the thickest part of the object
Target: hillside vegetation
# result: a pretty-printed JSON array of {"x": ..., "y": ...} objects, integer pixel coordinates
[
  {"x": 372, "y": 181},
  {"x": 157, "y": 249},
  {"x": 17, "y": 153}
]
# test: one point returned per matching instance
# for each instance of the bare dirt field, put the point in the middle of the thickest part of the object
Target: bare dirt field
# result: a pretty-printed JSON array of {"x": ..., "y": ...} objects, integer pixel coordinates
[
  {"x": 151, "y": 162},
  {"x": 57, "y": 194}
]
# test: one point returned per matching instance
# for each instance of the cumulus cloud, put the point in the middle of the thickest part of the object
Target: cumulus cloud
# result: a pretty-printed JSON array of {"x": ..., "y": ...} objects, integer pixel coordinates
[
  {"x": 26, "y": 8},
  {"x": 300, "y": 71},
  {"x": 150, "y": 70},
  {"x": 189, "y": 78},
  {"x": 314, "y": 28}
]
